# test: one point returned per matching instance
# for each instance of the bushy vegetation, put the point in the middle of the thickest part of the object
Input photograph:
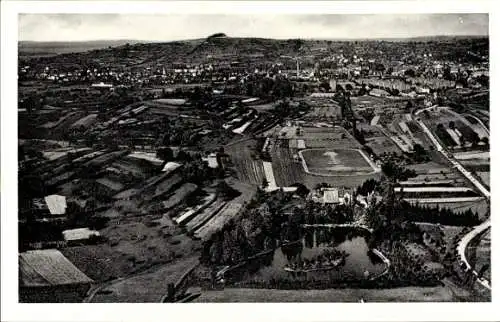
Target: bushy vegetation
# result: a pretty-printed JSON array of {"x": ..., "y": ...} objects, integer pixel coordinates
[
  {"x": 444, "y": 216},
  {"x": 268, "y": 220}
]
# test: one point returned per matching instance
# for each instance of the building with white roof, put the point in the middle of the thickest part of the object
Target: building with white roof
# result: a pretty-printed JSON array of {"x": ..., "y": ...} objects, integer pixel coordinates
[{"x": 56, "y": 204}]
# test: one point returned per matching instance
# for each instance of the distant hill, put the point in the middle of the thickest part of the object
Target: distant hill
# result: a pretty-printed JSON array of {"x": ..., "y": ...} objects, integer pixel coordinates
[
  {"x": 34, "y": 48},
  {"x": 220, "y": 46},
  {"x": 223, "y": 45}
]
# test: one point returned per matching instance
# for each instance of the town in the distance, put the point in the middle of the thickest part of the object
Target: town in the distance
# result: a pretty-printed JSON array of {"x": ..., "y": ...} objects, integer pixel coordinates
[{"x": 229, "y": 169}]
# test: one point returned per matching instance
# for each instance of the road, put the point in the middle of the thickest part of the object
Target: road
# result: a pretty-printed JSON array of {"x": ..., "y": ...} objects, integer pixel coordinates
[
  {"x": 462, "y": 246},
  {"x": 478, "y": 230}
]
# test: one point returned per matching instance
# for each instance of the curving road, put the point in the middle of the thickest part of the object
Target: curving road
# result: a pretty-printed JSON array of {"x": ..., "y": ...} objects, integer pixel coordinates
[{"x": 478, "y": 230}]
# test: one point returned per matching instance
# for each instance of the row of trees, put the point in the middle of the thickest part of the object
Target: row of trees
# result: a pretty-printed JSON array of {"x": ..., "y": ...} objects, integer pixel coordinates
[{"x": 444, "y": 216}]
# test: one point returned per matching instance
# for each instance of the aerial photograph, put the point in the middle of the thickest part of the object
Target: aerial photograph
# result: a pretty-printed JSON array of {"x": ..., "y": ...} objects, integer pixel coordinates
[{"x": 187, "y": 158}]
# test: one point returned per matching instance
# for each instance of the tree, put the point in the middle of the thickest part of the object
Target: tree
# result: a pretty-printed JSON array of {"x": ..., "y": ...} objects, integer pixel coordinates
[
  {"x": 379, "y": 67},
  {"x": 409, "y": 73},
  {"x": 419, "y": 153},
  {"x": 396, "y": 172},
  {"x": 184, "y": 156},
  {"x": 474, "y": 138},
  {"x": 482, "y": 271},
  {"x": 265, "y": 183},
  {"x": 165, "y": 154},
  {"x": 325, "y": 86},
  {"x": 225, "y": 190},
  {"x": 301, "y": 189}
]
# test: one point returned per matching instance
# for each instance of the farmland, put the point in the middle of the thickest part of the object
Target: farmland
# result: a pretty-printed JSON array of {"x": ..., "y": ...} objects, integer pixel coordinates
[
  {"x": 226, "y": 213},
  {"x": 244, "y": 161},
  {"x": 377, "y": 140},
  {"x": 324, "y": 109},
  {"x": 131, "y": 247}
]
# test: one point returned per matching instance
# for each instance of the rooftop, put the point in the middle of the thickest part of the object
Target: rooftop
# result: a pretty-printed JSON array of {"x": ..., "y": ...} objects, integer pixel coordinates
[
  {"x": 79, "y": 234},
  {"x": 56, "y": 204}
]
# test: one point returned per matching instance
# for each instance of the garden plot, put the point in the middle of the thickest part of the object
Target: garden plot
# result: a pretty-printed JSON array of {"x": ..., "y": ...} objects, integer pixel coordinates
[
  {"x": 268, "y": 171},
  {"x": 381, "y": 145},
  {"x": 244, "y": 159},
  {"x": 485, "y": 177},
  {"x": 287, "y": 169},
  {"x": 329, "y": 110},
  {"x": 167, "y": 185},
  {"x": 204, "y": 216},
  {"x": 193, "y": 211},
  {"x": 377, "y": 141},
  {"x": 412, "y": 139},
  {"x": 179, "y": 195},
  {"x": 485, "y": 155},
  {"x": 227, "y": 212},
  {"x": 336, "y": 162}
]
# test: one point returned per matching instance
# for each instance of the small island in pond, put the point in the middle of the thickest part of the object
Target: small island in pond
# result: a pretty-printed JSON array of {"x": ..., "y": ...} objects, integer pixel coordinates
[{"x": 329, "y": 260}]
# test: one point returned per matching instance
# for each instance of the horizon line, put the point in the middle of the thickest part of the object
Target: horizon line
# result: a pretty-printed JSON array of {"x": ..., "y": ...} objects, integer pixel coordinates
[{"x": 257, "y": 37}]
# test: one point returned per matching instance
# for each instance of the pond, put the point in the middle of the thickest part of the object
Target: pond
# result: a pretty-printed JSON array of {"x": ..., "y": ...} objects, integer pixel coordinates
[{"x": 360, "y": 263}]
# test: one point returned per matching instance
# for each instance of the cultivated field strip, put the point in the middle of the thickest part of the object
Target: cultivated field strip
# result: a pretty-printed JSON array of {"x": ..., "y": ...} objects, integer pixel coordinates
[
  {"x": 191, "y": 212},
  {"x": 179, "y": 195},
  {"x": 205, "y": 215},
  {"x": 268, "y": 171},
  {"x": 248, "y": 168},
  {"x": 286, "y": 171},
  {"x": 227, "y": 212}
]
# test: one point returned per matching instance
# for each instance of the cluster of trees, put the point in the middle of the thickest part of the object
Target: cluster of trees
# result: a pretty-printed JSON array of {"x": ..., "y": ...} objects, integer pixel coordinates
[
  {"x": 367, "y": 187},
  {"x": 396, "y": 172},
  {"x": 412, "y": 269},
  {"x": 31, "y": 103},
  {"x": 266, "y": 87},
  {"x": 197, "y": 171},
  {"x": 444, "y": 216},
  {"x": 194, "y": 169},
  {"x": 420, "y": 154},
  {"x": 266, "y": 220},
  {"x": 445, "y": 136},
  {"x": 285, "y": 110},
  {"x": 254, "y": 230},
  {"x": 359, "y": 135},
  {"x": 176, "y": 131},
  {"x": 317, "y": 213}
]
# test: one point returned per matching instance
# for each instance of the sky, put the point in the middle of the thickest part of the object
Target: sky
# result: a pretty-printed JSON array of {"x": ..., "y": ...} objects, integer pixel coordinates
[{"x": 163, "y": 27}]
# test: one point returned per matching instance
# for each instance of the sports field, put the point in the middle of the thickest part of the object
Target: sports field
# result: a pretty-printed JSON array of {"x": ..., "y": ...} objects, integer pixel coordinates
[{"x": 335, "y": 162}]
